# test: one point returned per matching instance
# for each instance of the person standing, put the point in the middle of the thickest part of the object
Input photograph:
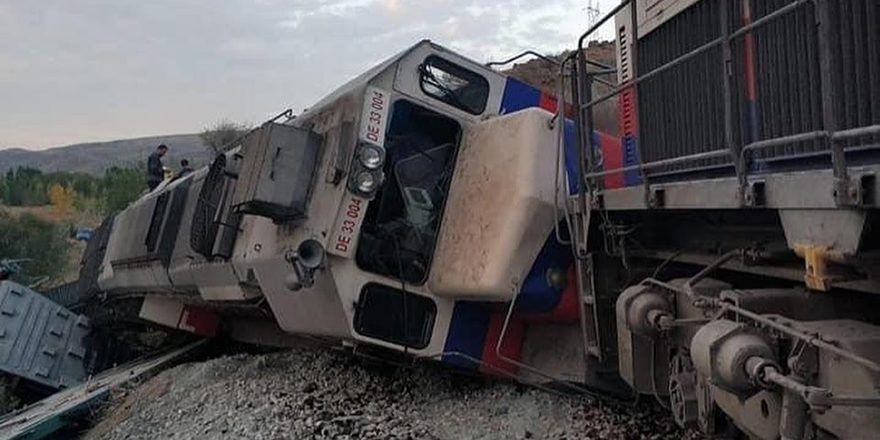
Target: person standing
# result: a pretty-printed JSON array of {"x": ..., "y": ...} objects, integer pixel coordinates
[
  {"x": 155, "y": 174},
  {"x": 185, "y": 169}
]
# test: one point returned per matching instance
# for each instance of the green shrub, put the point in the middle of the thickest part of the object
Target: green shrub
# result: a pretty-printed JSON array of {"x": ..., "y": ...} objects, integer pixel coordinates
[{"x": 40, "y": 241}]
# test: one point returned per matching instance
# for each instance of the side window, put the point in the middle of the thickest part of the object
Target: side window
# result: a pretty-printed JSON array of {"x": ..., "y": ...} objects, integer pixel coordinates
[
  {"x": 454, "y": 85},
  {"x": 395, "y": 316}
]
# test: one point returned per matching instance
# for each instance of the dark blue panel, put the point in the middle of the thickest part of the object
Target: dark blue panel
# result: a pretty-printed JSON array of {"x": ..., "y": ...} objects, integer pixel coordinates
[
  {"x": 536, "y": 294},
  {"x": 571, "y": 157},
  {"x": 467, "y": 332},
  {"x": 630, "y": 158},
  {"x": 752, "y": 120},
  {"x": 518, "y": 95}
]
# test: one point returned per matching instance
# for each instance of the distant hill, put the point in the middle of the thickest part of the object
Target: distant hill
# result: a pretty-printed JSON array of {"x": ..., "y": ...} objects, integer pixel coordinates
[
  {"x": 545, "y": 76},
  {"x": 94, "y": 157}
]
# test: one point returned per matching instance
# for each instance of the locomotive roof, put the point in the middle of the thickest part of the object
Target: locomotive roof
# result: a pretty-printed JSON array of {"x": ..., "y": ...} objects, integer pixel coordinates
[{"x": 361, "y": 81}]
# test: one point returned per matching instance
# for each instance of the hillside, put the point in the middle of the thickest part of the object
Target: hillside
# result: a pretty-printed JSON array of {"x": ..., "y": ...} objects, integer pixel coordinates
[
  {"x": 545, "y": 76},
  {"x": 94, "y": 157}
]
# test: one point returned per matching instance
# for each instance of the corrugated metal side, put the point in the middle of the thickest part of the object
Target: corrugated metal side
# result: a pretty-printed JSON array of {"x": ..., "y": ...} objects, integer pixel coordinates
[
  {"x": 40, "y": 340},
  {"x": 786, "y": 68},
  {"x": 858, "y": 68},
  {"x": 65, "y": 295},
  {"x": 681, "y": 110}
]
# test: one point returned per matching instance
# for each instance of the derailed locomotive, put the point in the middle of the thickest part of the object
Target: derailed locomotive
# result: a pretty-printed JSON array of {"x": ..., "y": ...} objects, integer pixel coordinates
[{"x": 720, "y": 255}]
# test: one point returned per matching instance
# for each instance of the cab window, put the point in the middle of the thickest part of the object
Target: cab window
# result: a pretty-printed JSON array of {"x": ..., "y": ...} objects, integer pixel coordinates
[{"x": 454, "y": 85}]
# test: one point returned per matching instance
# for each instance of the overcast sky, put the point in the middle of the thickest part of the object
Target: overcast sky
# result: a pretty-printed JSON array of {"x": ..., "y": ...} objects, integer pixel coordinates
[{"x": 90, "y": 70}]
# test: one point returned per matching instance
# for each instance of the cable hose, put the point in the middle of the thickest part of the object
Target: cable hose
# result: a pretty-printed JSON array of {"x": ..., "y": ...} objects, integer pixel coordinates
[{"x": 660, "y": 401}]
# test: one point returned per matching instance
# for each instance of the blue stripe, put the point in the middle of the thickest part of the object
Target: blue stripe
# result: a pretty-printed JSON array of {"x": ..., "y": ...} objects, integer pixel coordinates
[
  {"x": 630, "y": 158},
  {"x": 518, "y": 95},
  {"x": 467, "y": 332},
  {"x": 536, "y": 294}
]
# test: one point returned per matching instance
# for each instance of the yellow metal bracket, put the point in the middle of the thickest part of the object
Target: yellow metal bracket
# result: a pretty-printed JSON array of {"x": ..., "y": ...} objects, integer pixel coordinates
[{"x": 816, "y": 260}]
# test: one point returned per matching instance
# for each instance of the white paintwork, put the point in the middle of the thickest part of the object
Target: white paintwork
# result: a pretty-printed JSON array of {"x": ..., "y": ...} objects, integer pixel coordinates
[
  {"x": 349, "y": 280},
  {"x": 374, "y": 116},
  {"x": 327, "y": 308},
  {"x": 653, "y": 13},
  {"x": 316, "y": 310},
  {"x": 622, "y": 28},
  {"x": 407, "y": 79},
  {"x": 164, "y": 311},
  {"x": 373, "y": 124},
  {"x": 500, "y": 206}
]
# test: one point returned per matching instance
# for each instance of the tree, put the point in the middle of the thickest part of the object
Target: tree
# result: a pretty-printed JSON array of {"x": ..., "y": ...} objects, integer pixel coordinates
[
  {"x": 222, "y": 134},
  {"x": 40, "y": 241},
  {"x": 120, "y": 186},
  {"x": 24, "y": 187},
  {"x": 61, "y": 197}
]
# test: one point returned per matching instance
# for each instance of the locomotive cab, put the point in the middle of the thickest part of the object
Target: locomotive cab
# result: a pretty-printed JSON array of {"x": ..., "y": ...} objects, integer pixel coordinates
[{"x": 410, "y": 209}]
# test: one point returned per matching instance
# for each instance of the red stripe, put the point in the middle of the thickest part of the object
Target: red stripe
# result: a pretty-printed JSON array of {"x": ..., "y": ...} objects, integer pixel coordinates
[
  {"x": 547, "y": 102},
  {"x": 204, "y": 322},
  {"x": 749, "y": 54},
  {"x": 612, "y": 159},
  {"x": 627, "y": 114},
  {"x": 511, "y": 347}
]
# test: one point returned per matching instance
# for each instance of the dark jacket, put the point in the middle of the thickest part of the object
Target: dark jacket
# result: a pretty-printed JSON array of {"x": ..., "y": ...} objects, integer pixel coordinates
[
  {"x": 154, "y": 168},
  {"x": 183, "y": 171}
]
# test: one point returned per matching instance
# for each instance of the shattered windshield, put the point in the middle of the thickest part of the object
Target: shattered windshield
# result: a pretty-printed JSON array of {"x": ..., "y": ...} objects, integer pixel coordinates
[
  {"x": 454, "y": 85},
  {"x": 401, "y": 225}
]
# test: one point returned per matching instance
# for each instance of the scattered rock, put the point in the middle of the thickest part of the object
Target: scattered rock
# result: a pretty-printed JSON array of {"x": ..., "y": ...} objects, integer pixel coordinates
[{"x": 310, "y": 393}]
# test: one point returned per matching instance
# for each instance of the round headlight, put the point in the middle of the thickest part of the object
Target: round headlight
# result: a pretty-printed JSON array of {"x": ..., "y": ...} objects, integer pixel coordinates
[
  {"x": 365, "y": 182},
  {"x": 370, "y": 157}
]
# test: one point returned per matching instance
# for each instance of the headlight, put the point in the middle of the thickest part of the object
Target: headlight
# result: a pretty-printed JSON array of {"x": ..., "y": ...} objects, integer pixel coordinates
[
  {"x": 366, "y": 182},
  {"x": 370, "y": 157}
]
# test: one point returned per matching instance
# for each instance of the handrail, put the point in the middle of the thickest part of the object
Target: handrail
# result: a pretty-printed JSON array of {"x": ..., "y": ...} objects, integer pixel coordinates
[
  {"x": 522, "y": 55},
  {"x": 288, "y": 113},
  {"x": 661, "y": 163},
  {"x": 833, "y": 136},
  {"x": 759, "y": 145}
]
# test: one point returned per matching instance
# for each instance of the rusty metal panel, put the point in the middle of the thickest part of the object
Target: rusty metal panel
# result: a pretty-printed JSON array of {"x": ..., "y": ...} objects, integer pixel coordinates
[{"x": 40, "y": 340}]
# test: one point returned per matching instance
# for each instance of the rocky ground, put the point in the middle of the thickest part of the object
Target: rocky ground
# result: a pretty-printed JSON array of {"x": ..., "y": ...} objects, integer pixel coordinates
[{"x": 315, "y": 394}]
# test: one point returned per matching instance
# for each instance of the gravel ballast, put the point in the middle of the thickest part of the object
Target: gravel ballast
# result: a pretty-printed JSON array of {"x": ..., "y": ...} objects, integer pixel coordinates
[{"x": 310, "y": 393}]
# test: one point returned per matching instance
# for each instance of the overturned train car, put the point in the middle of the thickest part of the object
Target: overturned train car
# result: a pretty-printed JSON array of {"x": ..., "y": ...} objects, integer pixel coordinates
[{"x": 404, "y": 211}]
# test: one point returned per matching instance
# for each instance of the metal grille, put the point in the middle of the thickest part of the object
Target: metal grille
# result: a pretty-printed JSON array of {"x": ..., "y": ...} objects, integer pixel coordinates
[
  {"x": 786, "y": 70},
  {"x": 681, "y": 109},
  {"x": 746, "y": 86},
  {"x": 777, "y": 64},
  {"x": 857, "y": 70}
]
